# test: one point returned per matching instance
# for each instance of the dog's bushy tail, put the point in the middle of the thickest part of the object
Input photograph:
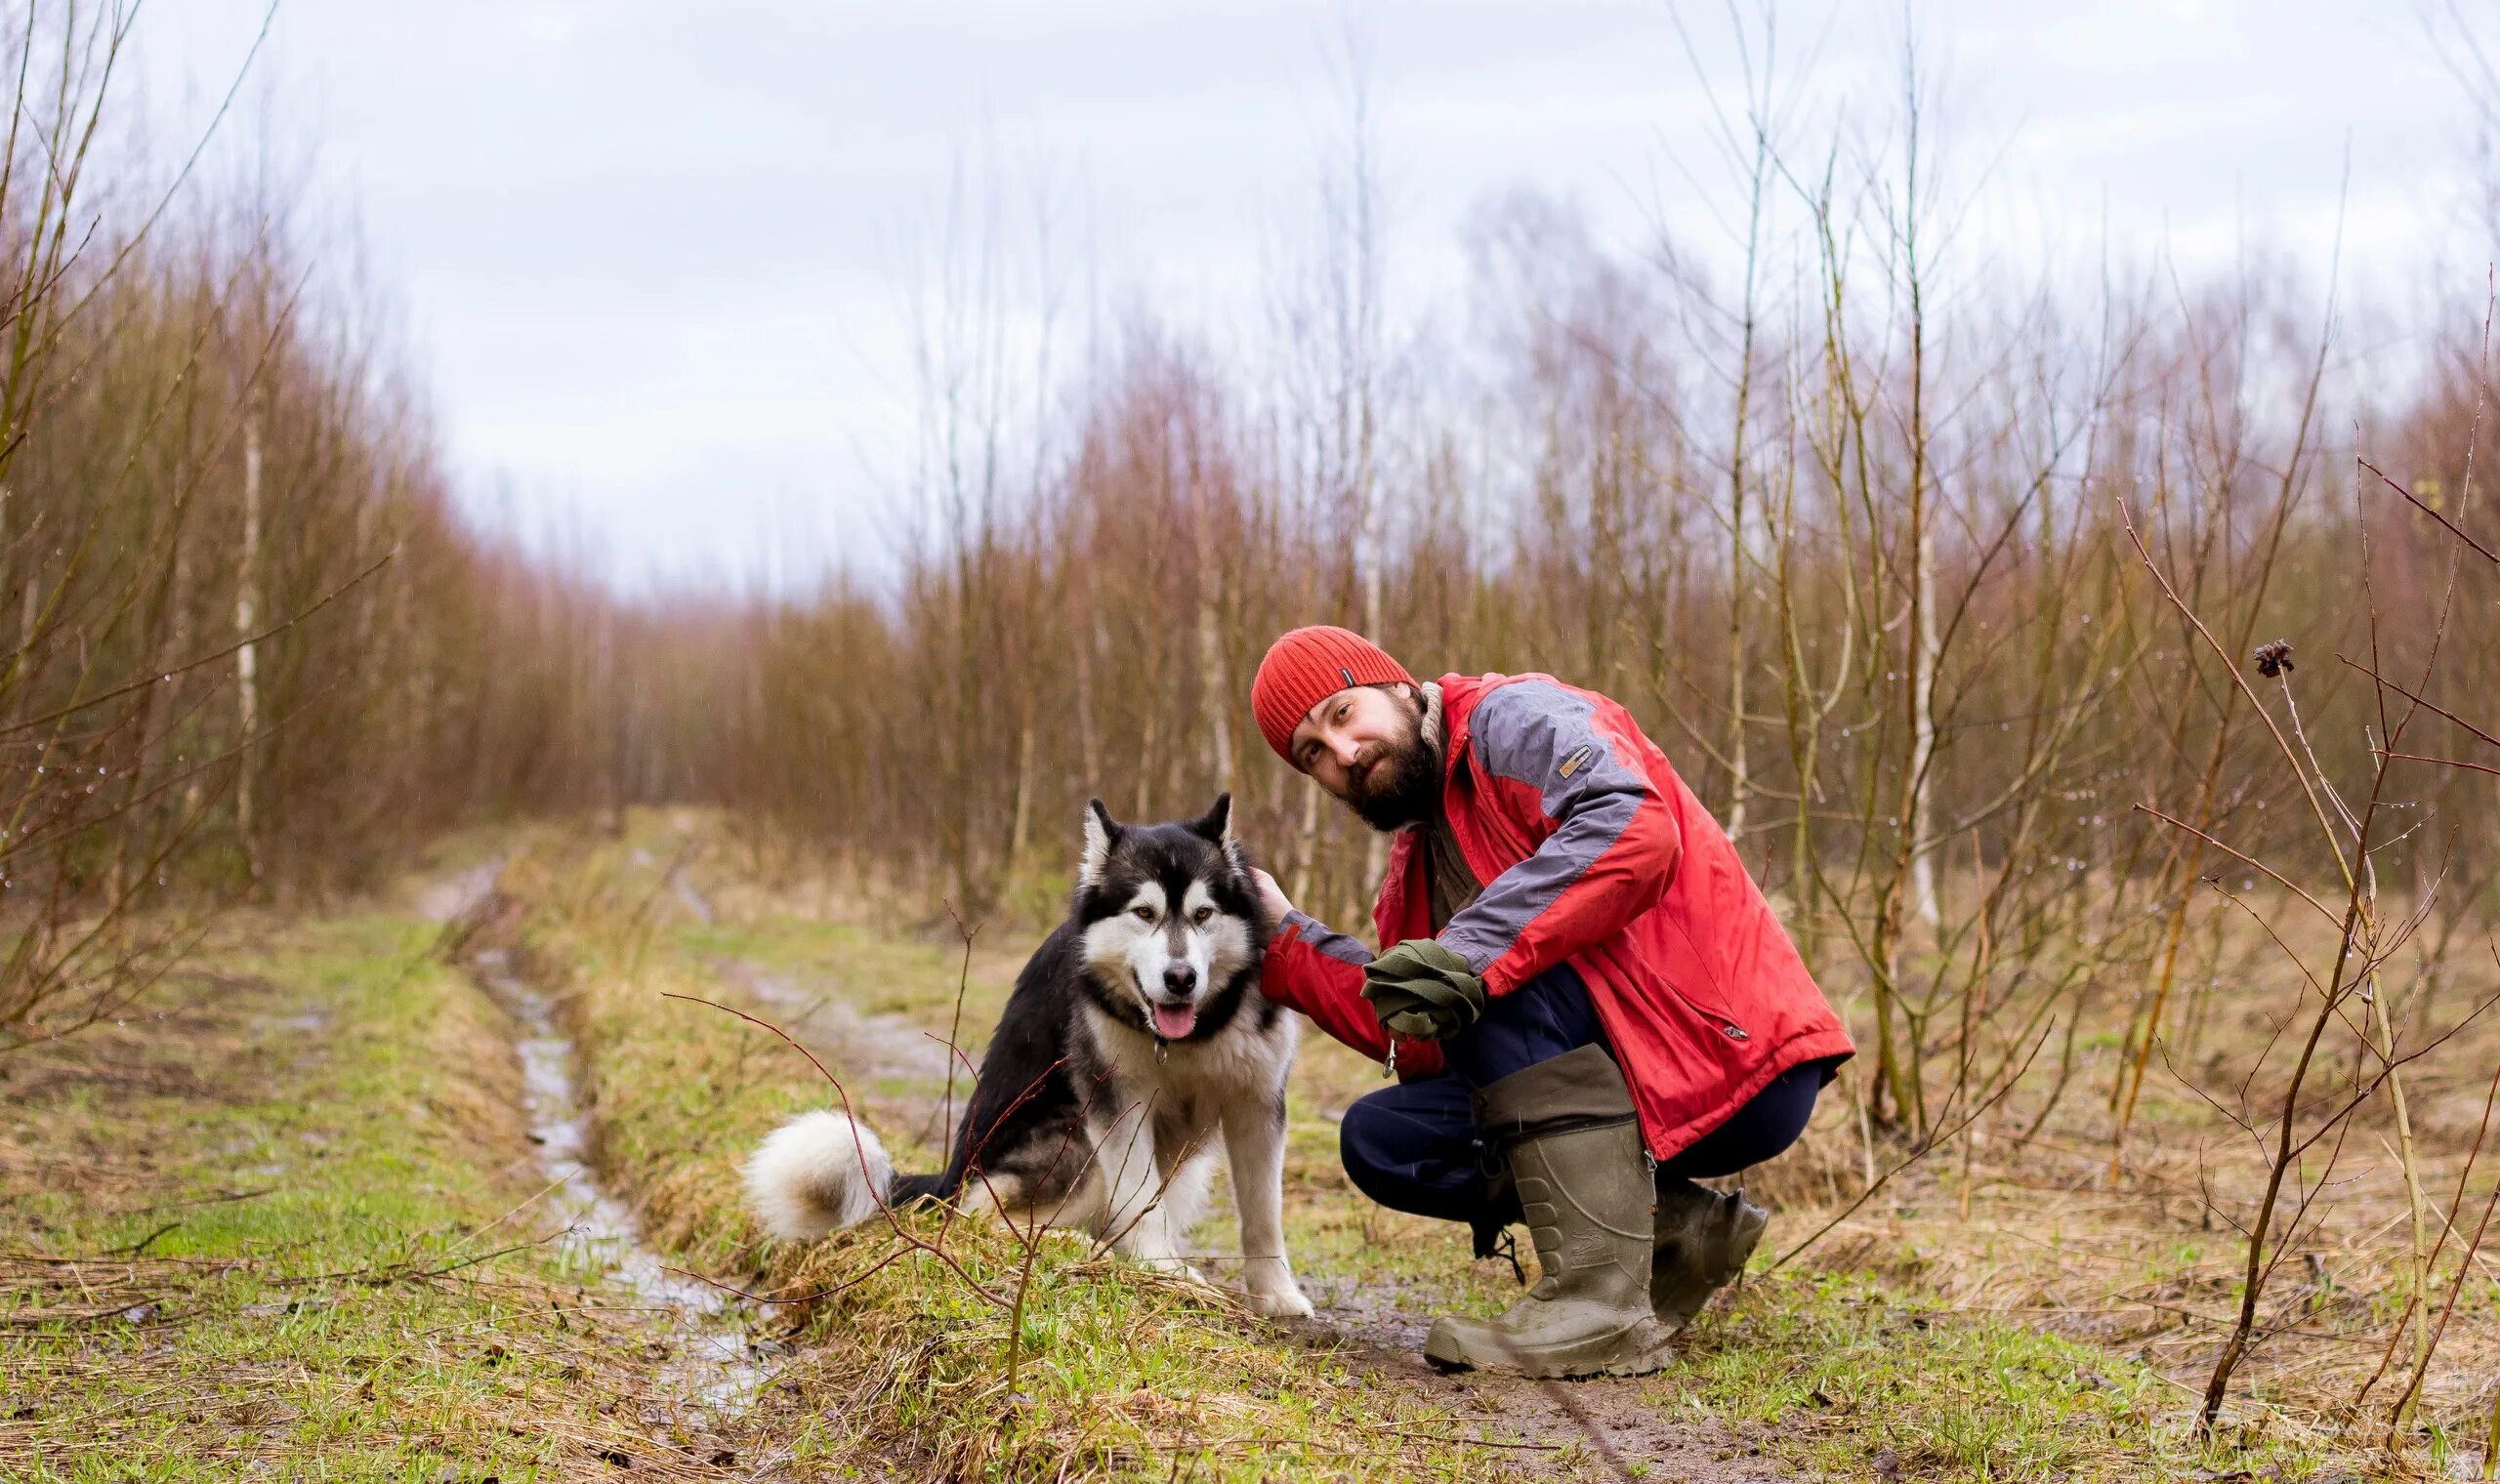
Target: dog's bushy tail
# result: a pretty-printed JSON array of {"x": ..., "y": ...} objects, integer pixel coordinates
[{"x": 822, "y": 1172}]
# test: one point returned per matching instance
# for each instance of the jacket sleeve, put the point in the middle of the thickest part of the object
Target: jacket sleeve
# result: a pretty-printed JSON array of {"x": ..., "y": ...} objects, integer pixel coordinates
[
  {"x": 1613, "y": 850},
  {"x": 1319, "y": 971}
]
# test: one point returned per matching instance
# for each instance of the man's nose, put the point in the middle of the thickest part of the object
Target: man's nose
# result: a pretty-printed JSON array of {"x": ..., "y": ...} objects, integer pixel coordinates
[{"x": 1346, "y": 750}]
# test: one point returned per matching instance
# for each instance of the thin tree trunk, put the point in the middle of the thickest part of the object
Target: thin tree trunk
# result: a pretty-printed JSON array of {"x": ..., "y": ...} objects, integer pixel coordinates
[
  {"x": 1214, "y": 683},
  {"x": 1741, "y": 776},
  {"x": 1305, "y": 846},
  {"x": 247, "y": 603},
  {"x": 1017, "y": 832},
  {"x": 2384, "y": 1032},
  {"x": 1089, "y": 644},
  {"x": 1922, "y": 668}
]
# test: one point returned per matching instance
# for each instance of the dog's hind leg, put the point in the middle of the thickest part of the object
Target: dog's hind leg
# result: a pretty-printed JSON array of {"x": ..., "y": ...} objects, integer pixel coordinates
[{"x": 1253, "y": 1143}]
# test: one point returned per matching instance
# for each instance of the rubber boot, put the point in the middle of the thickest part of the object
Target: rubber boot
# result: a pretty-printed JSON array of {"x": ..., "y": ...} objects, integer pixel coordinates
[
  {"x": 1583, "y": 1184},
  {"x": 1703, "y": 1238}
]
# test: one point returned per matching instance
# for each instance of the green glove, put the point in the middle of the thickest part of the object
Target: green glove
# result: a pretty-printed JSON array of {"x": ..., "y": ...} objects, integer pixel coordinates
[{"x": 1424, "y": 991}]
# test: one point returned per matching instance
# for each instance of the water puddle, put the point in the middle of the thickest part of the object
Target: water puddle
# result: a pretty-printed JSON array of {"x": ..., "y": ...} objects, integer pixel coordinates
[{"x": 711, "y": 1369}]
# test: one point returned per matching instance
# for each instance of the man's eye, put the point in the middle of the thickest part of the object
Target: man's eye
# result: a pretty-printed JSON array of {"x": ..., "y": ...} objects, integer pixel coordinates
[{"x": 1142, "y": 914}]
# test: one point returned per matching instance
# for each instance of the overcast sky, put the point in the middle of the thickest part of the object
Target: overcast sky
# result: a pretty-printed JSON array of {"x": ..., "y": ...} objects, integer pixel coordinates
[{"x": 654, "y": 257}]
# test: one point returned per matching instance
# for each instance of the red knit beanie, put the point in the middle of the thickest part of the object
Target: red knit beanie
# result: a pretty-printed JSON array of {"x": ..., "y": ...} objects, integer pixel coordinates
[{"x": 1307, "y": 667}]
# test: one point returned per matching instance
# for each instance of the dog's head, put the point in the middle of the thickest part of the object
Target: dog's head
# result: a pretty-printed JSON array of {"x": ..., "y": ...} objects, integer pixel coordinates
[{"x": 1170, "y": 917}]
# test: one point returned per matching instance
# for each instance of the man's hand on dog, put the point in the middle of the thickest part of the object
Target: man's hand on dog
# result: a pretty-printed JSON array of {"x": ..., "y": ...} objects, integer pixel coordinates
[
  {"x": 1271, "y": 897},
  {"x": 1422, "y": 991}
]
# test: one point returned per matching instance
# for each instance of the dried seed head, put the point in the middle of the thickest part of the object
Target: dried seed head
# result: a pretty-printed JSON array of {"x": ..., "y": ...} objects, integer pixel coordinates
[{"x": 2273, "y": 657}]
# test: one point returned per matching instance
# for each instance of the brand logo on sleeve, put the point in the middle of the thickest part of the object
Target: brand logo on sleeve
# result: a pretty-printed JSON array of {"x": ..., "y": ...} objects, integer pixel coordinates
[{"x": 1578, "y": 761}]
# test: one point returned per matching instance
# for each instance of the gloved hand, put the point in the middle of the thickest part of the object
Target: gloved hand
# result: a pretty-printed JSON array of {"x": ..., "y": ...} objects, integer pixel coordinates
[{"x": 1422, "y": 990}]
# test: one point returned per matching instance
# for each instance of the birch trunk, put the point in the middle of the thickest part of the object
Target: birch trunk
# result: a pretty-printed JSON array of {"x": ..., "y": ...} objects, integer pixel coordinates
[
  {"x": 247, "y": 605},
  {"x": 1923, "y": 666},
  {"x": 1215, "y": 684}
]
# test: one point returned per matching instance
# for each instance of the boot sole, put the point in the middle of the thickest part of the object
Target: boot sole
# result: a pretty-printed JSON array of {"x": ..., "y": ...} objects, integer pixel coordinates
[{"x": 1637, "y": 1349}]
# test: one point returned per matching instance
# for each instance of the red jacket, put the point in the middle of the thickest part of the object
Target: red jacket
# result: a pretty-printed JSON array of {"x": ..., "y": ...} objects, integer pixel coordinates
[{"x": 1595, "y": 854}]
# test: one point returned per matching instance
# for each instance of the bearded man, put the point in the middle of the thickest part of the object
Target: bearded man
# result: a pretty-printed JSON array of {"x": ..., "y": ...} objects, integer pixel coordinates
[{"x": 1586, "y": 998}]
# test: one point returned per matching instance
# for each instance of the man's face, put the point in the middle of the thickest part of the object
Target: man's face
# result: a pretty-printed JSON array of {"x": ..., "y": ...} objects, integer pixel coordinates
[{"x": 1365, "y": 746}]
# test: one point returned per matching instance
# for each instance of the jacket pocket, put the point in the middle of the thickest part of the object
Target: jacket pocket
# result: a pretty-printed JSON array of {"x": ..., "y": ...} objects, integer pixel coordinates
[{"x": 1696, "y": 991}]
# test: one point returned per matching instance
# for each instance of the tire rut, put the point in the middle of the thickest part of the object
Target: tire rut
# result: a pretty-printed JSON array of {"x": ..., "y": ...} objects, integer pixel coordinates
[{"x": 707, "y": 1367}]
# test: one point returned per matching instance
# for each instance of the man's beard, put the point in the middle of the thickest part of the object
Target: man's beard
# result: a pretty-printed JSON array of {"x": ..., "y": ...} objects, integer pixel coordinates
[{"x": 1401, "y": 784}]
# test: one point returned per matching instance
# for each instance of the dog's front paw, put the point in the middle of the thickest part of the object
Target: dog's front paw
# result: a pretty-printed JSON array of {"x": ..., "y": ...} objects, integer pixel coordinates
[
  {"x": 1273, "y": 1290},
  {"x": 1282, "y": 1303}
]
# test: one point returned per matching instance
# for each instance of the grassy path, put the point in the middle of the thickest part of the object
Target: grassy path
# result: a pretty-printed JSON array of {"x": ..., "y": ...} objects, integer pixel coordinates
[{"x": 267, "y": 1229}]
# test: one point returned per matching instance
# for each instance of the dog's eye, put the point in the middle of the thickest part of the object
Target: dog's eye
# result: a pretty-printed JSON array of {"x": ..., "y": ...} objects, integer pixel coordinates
[
  {"x": 1201, "y": 916},
  {"x": 1142, "y": 914}
]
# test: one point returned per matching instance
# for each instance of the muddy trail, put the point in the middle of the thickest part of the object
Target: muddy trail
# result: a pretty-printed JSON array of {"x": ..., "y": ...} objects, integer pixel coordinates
[
  {"x": 704, "y": 1356},
  {"x": 1598, "y": 1430},
  {"x": 714, "y": 1366},
  {"x": 1623, "y": 1423}
]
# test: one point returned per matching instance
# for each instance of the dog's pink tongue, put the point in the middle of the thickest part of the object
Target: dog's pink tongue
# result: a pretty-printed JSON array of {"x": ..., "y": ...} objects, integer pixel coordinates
[{"x": 1172, "y": 1022}]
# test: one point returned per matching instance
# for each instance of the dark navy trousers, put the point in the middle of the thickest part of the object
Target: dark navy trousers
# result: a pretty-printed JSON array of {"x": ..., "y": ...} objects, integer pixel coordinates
[{"x": 1413, "y": 1146}]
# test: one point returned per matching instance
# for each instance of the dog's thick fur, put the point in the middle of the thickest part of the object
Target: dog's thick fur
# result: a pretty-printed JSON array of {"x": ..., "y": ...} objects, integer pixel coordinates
[{"x": 1135, "y": 1034}]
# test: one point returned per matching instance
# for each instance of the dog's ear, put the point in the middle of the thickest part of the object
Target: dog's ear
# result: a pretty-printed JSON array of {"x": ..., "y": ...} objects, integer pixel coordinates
[
  {"x": 1217, "y": 825},
  {"x": 1101, "y": 832}
]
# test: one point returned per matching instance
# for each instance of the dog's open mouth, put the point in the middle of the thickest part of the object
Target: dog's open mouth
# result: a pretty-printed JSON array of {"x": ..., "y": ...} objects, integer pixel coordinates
[{"x": 1172, "y": 1022}]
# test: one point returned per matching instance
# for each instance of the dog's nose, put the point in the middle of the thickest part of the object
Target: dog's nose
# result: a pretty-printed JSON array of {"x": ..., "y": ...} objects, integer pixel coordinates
[{"x": 1179, "y": 978}]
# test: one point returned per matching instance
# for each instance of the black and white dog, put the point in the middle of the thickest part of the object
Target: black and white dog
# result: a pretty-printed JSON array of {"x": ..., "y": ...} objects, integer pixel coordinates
[{"x": 1135, "y": 1035}]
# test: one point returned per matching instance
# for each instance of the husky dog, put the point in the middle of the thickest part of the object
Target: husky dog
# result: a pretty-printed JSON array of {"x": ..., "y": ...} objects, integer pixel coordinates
[{"x": 1135, "y": 1034}]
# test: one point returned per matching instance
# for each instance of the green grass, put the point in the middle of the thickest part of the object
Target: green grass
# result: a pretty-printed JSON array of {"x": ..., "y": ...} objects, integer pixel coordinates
[
  {"x": 1839, "y": 1367},
  {"x": 296, "y": 1168}
]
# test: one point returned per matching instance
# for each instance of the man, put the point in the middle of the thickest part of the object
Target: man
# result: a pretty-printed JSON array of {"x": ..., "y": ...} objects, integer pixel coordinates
[{"x": 1586, "y": 997}]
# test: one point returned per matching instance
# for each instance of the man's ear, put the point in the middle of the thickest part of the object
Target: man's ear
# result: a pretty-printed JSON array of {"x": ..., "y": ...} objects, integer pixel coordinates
[{"x": 1101, "y": 832}]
